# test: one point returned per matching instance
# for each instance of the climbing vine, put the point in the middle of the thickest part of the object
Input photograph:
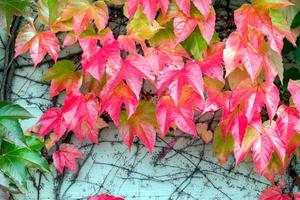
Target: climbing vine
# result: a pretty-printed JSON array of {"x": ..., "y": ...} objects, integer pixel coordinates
[{"x": 169, "y": 68}]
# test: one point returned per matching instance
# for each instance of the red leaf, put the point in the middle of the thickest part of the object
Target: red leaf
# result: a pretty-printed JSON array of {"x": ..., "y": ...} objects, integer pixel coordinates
[
  {"x": 105, "y": 197},
  {"x": 78, "y": 107},
  {"x": 66, "y": 157},
  {"x": 94, "y": 58},
  {"x": 149, "y": 7},
  {"x": 84, "y": 12},
  {"x": 112, "y": 102},
  {"x": 141, "y": 124},
  {"x": 183, "y": 27},
  {"x": 174, "y": 80},
  {"x": 294, "y": 88},
  {"x": 264, "y": 146},
  {"x": 273, "y": 193},
  {"x": 250, "y": 16},
  {"x": 184, "y": 5},
  {"x": 211, "y": 65},
  {"x": 181, "y": 115},
  {"x": 52, "y": 120},
  {"x": 39, "y": 44},
  {"x": 207, "y": 26},
  {"x": 203, "y": 6},
  {"x": 288, "y": 123},
  {"x": 244, "y": 49}
]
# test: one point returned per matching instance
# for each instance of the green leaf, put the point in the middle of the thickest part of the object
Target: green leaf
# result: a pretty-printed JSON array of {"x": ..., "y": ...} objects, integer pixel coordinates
[
  {"x": 195, "y": 44},
  {"x": 12, "y": 131},
  {"x": 7, "y": 185},
  {"x": 34, "y": 143},
  {"x": 296, "y": 21},
  {"x": 14, "y": 161},
  {"x": 14, "y": 7},
  {"x": 141, "y": 27},
  {"x": 279, "y": 19},
  {"x": 49, "y": 10},
  {"x": 64, "y": 69},
  {"x": 222, "y": 148},
  {"x": 13, "y": 111},
  {"x": 165, "y": 34}
]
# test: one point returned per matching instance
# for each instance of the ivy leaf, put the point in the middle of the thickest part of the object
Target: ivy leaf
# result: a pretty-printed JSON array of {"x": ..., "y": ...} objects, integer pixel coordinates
[
  {"x": 39, "y": 43},
  {"x": 175, "y": 80},
  {"x": 49, "y": 14},
  {"x": 287, "y": 123},
  {"x": 83, "y": 12},
  {"x": 7, "y": 185},
  {"x": 10, "y": 128},
  {"x": 183, "y": 27},
  {"x": 222, "y": 148},
  {"x": 112, "y": 102},
  {"x": 141, "y": 124},
  {"x": 66, "y": 157},
  {"x": 63, "y": 76},
  {"x": 80, "y": 109},
  {"x": 105, "y": 197},
  {"x": 268, "y": 4},
  {"x": 12, "y": 131},
  {"x": 14, "y": 8},
  {"x": 195, "y": 44},
  {"x": 13, "y": 111},
  {"x": 273, "y": 192},
  {"x": 264, "y": 146},
  {"x": 168, "y": 113},
  {"x": 52, "y": 120},
  {"x": 14, "y": 161},
  {"x": 240, "y": 151},
  {"x": 294, "y": 89},
  {"x": 140, "y": 26},
  {"x": 211, "y": 65}
]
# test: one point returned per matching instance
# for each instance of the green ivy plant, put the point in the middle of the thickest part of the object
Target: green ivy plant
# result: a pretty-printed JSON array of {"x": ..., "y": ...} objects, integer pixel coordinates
[{"x": 18, "y": 153}]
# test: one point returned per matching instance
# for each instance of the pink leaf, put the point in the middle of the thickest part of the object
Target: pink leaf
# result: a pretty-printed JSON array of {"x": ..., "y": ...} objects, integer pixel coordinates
[
  {"x": 174, "y": 80},
  {"x": 294, "y": 88},
  {"x": 52, "y": 120},
  {"x": 181, "y": 115},
  {"x": 66, "y": 157},
  {"x": 273, "y": 193},
  {"x": 105, "y": 197}
]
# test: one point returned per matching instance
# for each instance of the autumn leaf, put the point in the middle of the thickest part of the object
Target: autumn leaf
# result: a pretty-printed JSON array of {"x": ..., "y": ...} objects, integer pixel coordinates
[
  {"x": 240, "y": 151},
  {"x": 268, "y": 4},
  {"x": 175, "y": 80},
  {"x": 84, "y": 12},
  {"x": 168, "y": 113},
  {"x": 78, "y": 109},
  {"x": 222, "y": 148},
  {"x": 105, "y": 197},
  {"x": 66, "y": 157},
  {"x": 149, "y": 7},
  {"x": 14, "y": 8},
  {"x": 39, "y": 44},
  {"x": 294, "y": 89},
  {"x": 52, "y": 120},
  {"x": 273, "y": 192},
  {"x": 63, "y": 76},
  {"x": 49, "y": 14},
  {"x": 141, "y": 124},
  {"x": 140, "y": 26},
  {"x": 112, "y": 102},
  {"x": 264, "y": 146}
]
